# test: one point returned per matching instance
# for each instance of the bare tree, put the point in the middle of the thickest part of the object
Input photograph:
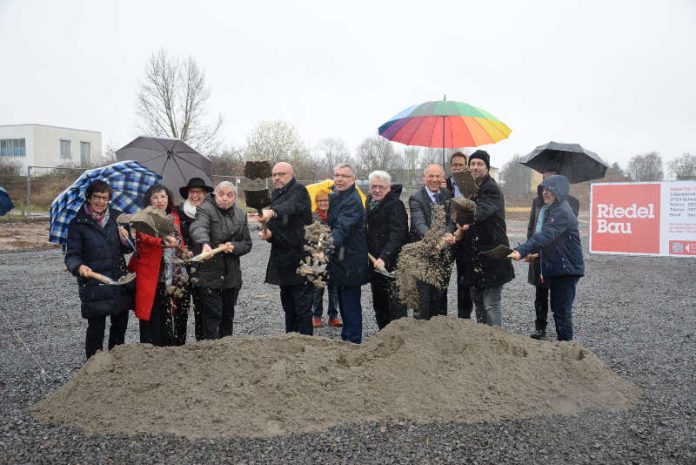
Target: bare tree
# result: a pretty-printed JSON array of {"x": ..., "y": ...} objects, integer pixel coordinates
[
  {"x": 229, "y": 162},
  {"x": 516, "y": 178},
  {"x": 277, "y": 141},
  {"x": 375, "y": 153},
  {"x": 172, "y": 102},
  {"x": 683, "y": 167},
  {"x": 330, "y": 152},
  {"x": 646, "y": 167}
]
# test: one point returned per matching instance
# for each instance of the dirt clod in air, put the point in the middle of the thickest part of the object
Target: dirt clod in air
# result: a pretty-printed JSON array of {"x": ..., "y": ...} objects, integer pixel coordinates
[{"x": 319, "y": 246}]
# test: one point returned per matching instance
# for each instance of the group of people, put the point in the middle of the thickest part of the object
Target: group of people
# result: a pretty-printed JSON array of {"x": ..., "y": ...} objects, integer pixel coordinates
[{"x": 367, "y": 236}]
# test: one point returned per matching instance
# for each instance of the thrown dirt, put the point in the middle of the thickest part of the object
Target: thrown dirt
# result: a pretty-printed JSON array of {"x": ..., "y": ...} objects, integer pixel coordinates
[
  {"x": 428, "y": 260},
  {"x": 441, "y": 370}
]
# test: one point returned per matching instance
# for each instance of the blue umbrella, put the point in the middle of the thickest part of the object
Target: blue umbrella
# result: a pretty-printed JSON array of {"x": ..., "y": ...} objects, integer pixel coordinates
[
  {"x": 5, "y": 202},
  {"x": 128, "y": 179}
]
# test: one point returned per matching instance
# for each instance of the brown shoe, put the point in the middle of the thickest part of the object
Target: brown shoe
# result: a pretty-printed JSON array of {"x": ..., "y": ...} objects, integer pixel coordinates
[
  {"x": 335, "y": 322},
  {"x": 316, "y": 322}
]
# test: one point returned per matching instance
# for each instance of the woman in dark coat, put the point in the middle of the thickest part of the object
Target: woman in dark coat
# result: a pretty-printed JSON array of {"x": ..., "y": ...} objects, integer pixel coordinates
[
  {"x": 219, "y": 221},
  {"x": 194, "y": 194},
  {"x": 557, "y": 241},
  {"x": 96, "y": 243},
  {"x": 156, "y": 301}
]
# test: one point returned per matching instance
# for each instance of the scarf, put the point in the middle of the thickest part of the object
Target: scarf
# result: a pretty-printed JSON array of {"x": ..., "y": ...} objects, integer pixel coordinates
[
  {"x": 100, "y": 219},
  {"x": 540, "y": 220},
  {"x": 323, "y": 215},
  {"x": 189, "y": 209}
]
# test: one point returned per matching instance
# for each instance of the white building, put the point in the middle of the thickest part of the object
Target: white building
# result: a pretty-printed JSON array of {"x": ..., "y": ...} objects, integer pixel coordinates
[{"x": 42, "y": 145}]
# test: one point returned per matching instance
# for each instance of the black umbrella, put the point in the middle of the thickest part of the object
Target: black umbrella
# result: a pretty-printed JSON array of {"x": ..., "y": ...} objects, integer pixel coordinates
[
  {"x": 175, "y": 160},
  {"x": 570, "y": 160}
]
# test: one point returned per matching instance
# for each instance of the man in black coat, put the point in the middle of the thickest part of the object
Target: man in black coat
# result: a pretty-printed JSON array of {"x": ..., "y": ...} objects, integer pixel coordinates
[
  {"x": 387, "y": 229},
  {"x": 431, "y": 300},
  {"x": 290, "y": 211},
  {"x": 541, "y": 298},
  {"x": 457, "y": 163},
  {"x": 348, "y": 263},
  {"x": 484, "y": 275}
]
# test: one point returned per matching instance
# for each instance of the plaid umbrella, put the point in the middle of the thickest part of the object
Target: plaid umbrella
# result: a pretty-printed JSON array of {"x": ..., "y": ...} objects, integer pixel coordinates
[{"x": 128, "y": 179}]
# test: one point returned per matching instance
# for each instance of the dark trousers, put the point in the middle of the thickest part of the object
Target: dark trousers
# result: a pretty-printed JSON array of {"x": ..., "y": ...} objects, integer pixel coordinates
[
  {"x": 385, "y": 300},
  {"x": 351, "y": 312},
  {"x": 541, "y": 307},
  {"x": 159, "y": 330},
  {"x": 94, "y": 340},
  {"x": 432, "y": 301},
  {"x": 297, "y": 305},
  {"x": 318, "y": 303},
  {"x": 562, "y": 289},
  {"x": 464, "y": 303},
  {"x": 217, "y": 311}
]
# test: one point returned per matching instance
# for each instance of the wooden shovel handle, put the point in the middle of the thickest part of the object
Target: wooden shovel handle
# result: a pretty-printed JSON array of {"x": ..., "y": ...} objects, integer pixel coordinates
[
  {"x": 100, "y": 277},
  {"x": 221, "y": 248}
]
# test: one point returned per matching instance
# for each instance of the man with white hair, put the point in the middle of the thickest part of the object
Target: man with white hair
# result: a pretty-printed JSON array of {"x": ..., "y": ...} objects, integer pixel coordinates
[
  {"x": 286, "y": 217},
  {"x": 219, "y": 221},
  {"x": 387, "y": 230}
]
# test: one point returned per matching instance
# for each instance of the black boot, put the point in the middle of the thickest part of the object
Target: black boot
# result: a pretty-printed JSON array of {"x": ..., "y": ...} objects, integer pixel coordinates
[{"x": 538, "y": 334}]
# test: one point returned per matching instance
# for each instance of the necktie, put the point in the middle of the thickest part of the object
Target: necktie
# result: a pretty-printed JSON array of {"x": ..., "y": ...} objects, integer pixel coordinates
[{"x": 437, "y": 198}]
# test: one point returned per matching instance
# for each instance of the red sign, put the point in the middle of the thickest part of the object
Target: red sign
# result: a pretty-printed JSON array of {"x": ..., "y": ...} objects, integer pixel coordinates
[{"x": 625, "y": 218}]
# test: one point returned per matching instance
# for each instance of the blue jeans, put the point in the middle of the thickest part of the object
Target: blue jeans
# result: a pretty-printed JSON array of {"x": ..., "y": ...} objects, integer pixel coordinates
[
  {"x": 562, "y": 296},
  {"x": 351, "y": 312},
  {"x": 487, "y": 303},
  {"x": 318, "y": 303}
]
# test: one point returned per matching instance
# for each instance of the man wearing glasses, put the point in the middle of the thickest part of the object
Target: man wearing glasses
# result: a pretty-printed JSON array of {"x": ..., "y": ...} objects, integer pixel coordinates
[
  {"x": 286, "y": 217},
  {"x": 348, "y": 264}
]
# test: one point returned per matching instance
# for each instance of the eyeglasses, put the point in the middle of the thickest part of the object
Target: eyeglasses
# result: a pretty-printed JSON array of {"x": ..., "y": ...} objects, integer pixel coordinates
[
  {"x": 105, "y": 198},
  {"x": 322, "y": 200},
  {"x": 378, "y": 188},
  {"x": 279, "y": 175},
  {"x": 345, "y": 176}
]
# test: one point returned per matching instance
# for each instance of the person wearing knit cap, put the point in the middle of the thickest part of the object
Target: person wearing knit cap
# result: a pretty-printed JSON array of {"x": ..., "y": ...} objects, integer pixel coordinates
[{"x": 485, "y": 276}]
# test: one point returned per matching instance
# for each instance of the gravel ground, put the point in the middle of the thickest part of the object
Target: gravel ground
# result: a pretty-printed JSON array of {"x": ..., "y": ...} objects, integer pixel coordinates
[{"x": 636, "y": 313}]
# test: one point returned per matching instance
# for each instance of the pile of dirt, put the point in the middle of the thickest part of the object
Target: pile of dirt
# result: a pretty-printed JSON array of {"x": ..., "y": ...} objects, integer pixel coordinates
[
  {"x": 24, "y": 235},
  {"x": 445, "y": 369}
]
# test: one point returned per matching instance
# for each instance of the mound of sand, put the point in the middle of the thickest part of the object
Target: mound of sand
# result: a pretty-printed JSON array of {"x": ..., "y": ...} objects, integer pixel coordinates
[{"x": 445, "y": 369}]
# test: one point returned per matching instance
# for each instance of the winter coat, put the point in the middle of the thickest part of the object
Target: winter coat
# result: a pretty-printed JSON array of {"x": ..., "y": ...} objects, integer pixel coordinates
[
  {"x": 387, "y": 227},
  {"x": 558, "y": 242},
  {"x": 534, "y": 272},
  {"x": 146, "y": 265},
  {"x": 488, "y": 231},
  {"x": 100, "y": 249},
  {"x": 348, "y": 263},
  {"x": 421, "y": 207},
  {"x": 214, "y": 226},
  {"x": 184, "y": 226},
  {"x": 293, "y": 210}
]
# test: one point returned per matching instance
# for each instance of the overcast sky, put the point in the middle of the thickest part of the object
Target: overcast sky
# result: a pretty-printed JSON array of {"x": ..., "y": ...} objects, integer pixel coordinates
[{"x": 619, "y": 77}]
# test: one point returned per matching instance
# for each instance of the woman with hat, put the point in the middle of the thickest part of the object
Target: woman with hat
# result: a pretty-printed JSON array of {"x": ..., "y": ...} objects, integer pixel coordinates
[{"x": 193, "y": 193}]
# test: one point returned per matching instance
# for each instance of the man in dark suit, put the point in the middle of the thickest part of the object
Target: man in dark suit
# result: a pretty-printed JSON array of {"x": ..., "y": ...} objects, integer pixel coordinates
[
  {"x": 431, "y": 300},
  {"x": 387, "y": 229},
  {"x": 541, "y": 298},
  {"x": 457, "y": 163},
  {"x": 286, "y": 217}
]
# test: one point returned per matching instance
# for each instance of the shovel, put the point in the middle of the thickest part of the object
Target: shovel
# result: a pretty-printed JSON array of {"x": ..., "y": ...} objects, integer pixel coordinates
[
  {"x": 254, "y": 185},
  {"x": 383, "y": 271},
  {"x": 106, "y": 280},
  {"x": 226, "y": 247},
  {"x": 499, "y": 252}
]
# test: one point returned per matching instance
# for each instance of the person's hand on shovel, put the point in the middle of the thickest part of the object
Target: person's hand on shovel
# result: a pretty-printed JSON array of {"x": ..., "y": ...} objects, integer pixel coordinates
[
  {"x": 515, "y": 255},
  {"x": 531, "y": 257},
  {"x": 84, "y": 271},
  {"x": 266, "y": 215},
  {"x": 265, "y": 235}
]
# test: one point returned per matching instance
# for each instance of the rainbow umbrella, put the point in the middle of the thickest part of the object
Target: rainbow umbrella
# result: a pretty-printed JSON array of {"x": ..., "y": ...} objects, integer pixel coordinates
[{"x": 444, "y": 124}]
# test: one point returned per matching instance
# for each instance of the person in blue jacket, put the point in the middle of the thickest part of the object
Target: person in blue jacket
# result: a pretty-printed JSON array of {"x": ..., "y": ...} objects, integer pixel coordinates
[
  {"x": 348, "y": 264},
  {"x": 97, "y": 244},
  {"x": 557, "y": 241}
]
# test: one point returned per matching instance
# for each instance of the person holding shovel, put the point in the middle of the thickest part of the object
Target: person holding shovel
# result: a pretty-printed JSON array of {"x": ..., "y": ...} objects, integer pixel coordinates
[
  {"x": 290, "y": 211},
  {"x": 156, "y": 306},
  {"x": 219, "y": 220},
  {"x": 194, "y": 193},
  {"x": 557, "y": 241},
  {"x": 387, "y": 231},
  {"x": 97, "y": 244}
]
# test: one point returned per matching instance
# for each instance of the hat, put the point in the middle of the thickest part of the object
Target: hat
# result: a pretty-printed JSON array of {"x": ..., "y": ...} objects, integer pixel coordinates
[
  {"x": 481, "y": 155},
  {"x": 194, "y": 182}
]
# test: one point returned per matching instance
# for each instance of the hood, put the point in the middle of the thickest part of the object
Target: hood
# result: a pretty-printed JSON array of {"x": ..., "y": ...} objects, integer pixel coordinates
[{"x": 558, "y": 185}]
